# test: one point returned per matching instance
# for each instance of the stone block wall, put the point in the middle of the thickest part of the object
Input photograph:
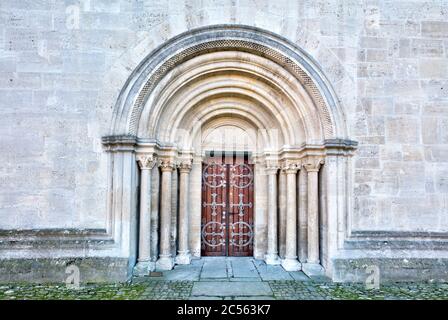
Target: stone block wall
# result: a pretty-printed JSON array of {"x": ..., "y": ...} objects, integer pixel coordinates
[
  {"x": 63, "y": 64},
  {"x": 400, "y": 119}
]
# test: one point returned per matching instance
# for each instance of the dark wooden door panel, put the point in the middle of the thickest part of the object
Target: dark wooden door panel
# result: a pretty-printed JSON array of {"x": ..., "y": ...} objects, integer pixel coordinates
[
  {"x": 241, "y": 208},
  {"x": 214, "y": 203},
  {"x": 227, "y": 207}
]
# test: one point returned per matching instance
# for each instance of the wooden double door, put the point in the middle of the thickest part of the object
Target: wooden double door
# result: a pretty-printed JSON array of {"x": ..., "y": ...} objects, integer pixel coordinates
[{"x": 227, "y": 206}]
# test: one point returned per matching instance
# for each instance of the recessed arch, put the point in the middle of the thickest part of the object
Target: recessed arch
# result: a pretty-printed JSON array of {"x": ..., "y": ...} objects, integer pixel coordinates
[
  {"x": 275, "y": 89},
  {"x": 218, "y": 112},
  {"x": 231, "y": 127},
  {"x": 276, "y": 98},
  {"x": 127, "y": 111}
]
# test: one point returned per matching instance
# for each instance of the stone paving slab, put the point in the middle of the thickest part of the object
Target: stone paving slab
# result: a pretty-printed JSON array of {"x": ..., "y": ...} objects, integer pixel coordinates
[
  {"x": 205, "y": 298},
  {"x": 215, "y": 279},
  {"x": 190, "y": 274},
  {"x": 258, "y": 298},
  {"x": 299, "y": 276},
  {"x": 268, "y": 273},
  {"x": 244, "y": 268},
  {"x": 245, "y": 279},
  {"x": 197, "y": 262},
  {"x": 214, "y": 268},
  {"x": 241, "y": 278},
  {"x": 212, "y": 288},
  {"x": 280, "y": 290}
]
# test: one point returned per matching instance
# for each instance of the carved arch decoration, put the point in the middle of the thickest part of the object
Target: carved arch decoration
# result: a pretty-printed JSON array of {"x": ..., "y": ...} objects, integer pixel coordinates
[
  {"x": 157, "y": 65},
  {"x": 219, "y": 76}
]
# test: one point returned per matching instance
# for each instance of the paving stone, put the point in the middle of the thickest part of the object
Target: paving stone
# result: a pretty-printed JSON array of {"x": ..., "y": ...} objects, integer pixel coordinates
[
  {"x": 244, "y": 279},
  {"x": 244, "y": 268},
  {"x": 191, "y": 274},
  {"x": 214, "y": 279},
  {"x": 197, "y": 262},
  {"x": 284, "y": 290},
  {"x": 271, "y": 272},
  {"x": 320, "y": 279},
  {"x": 231, "y": 289},
  {"x": 297, "y": 287},
  {"x": 214, "y": 268},
  {"x": 205, "y": 298},
  {"x": 299, "y": 276},
  {"x": 258, "y": 298}
]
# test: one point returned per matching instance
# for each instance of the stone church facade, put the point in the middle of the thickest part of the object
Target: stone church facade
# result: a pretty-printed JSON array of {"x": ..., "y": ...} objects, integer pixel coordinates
[{"x": 137, "y": 135}]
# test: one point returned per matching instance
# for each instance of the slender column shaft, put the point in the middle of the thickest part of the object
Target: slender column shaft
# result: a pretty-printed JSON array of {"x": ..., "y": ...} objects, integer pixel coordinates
[
  {"x": 155, "y": 199},
  {"x": 183, "y": 256},
  {"x": 282, "y": 213},
  {"x": 313, "y": 217},
  {"x": 290, "y": 263},
  {"x": 312, "y": 265},
  {"x": 144, "y": 252},
  {"x": 195, "y": 207},
  {"x": 272, "y": 254},
  {"x": 303, "y": 219},
  {"x": 165, "y": 260},
  {"x": 165, "y": 220},
  {"x": 291, "y": 208},
  {"x": 144, "y": 265}
]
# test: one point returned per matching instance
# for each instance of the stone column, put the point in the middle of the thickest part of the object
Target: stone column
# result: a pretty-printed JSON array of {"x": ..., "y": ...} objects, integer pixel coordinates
[
  {"x": 183, "y": 256},
  {"x": 195, "y": 207},
  {"x": 144, "y": 264},
  {"x": 282, "y": 213},
  {"x": 165, "y": 261},
  {"x": 260, "y": 209},
  {"x": 303, "y": 219},
  {"x": 155, "y": 200},
  {"x": 312, "y": 265},
  {"x": 272, "y": 253},
  {"x": 290, "y": 262}
]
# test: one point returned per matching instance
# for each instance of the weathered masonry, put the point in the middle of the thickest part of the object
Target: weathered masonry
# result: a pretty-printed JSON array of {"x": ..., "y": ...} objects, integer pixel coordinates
[
  {"x": 231, "y": 82},
  {"x": 308, "y": 135}
]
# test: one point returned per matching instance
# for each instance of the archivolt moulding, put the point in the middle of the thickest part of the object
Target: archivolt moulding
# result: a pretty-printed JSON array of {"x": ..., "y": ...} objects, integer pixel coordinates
[
  {"x": 258, "y": 80},
  {"x": 252, "y": 40}
]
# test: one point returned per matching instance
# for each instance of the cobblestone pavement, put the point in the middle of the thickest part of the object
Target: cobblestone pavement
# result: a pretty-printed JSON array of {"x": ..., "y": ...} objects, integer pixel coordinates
[
  {"x": 181, "y": 290},
  {"x": 226, "y": 279},
  {"x": 150, "y": 290},
  {"x": 299, "y": 290}
]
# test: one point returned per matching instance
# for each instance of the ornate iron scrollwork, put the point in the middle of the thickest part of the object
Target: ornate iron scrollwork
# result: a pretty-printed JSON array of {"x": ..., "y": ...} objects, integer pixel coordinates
[
  {"x": 241, "y": 205},
  {"x": 220, "y": 230},
  {"x": 241, "y": 176},
  {"x": 218, "y": 175},
  {"x": 217, "y": 236},
  {"x": 214, "y": 205},
  {"x": 241, "y": 242}
]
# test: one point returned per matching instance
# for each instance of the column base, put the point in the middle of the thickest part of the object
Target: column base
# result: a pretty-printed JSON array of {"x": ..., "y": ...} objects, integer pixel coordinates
[
  {"x": 183, "y": 258},
  {"x": 272, "y": 259},
  {"x": 313, "y": 269},
  {"x": 142, "y": 268},
  {"x": 165, "y": 263},
  {"x": 291, "y": 264}
]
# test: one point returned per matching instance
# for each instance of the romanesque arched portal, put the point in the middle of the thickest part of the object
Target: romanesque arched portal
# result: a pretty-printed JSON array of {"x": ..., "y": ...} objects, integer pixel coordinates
[{"x": 230, "y": 90}]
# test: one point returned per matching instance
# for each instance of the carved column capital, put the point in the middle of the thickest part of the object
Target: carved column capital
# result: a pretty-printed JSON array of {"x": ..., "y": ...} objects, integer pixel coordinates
[
  {"x": 313, "y": 164},
  {"x": 167, "y": 164},
  {"x": 290, "y": 166},
  {"x": 272, "y": 166},
  {"x": 185, "y": 165},
  {"x": 146, "y": 161}
]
